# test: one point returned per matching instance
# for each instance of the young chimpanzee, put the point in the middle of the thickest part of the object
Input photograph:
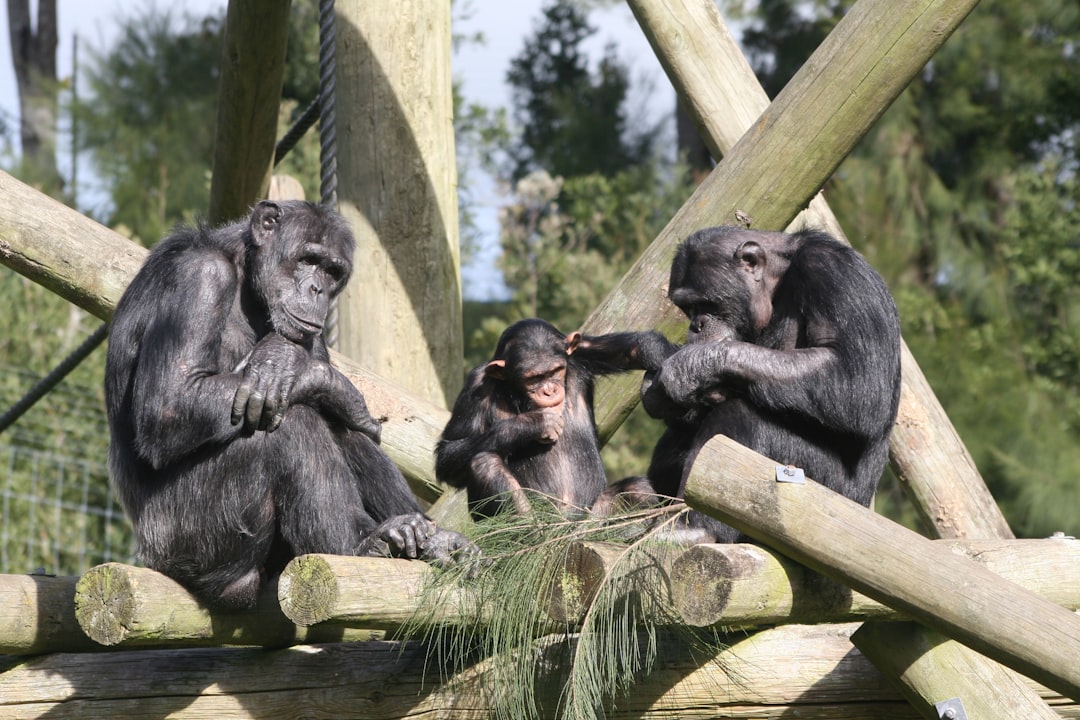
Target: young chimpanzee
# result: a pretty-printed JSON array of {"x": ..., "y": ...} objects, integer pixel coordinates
[
  {"x": 524, "y": 422},
  {"x": 793, "y": 350},
  {"x": 235, "y": 444}
]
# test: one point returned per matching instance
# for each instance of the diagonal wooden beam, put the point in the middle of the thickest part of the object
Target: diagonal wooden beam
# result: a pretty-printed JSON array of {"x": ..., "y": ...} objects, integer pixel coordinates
[{"x": 775, "y": 159}]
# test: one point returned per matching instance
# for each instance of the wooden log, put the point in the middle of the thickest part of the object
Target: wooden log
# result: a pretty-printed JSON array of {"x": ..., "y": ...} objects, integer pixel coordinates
[
  {"x": 249, "y": 94},
  {"x": 719, "y": 89},
  {"x": 588, "y": 565},
  {"x": 63, "y": 250},
  {"x": 741, "y": 585},
  {"x": 367, "y": 592},
  {"x": 792, "y": 671},
  {"x": 401, "y": 314},
  {"x": 117, "y": 604},
  {"x": 39, "y": 616},
  {"x": 938, "y": 669},
  {"x": 90, "y": 266},
  {"x": 849, "y": 543}
]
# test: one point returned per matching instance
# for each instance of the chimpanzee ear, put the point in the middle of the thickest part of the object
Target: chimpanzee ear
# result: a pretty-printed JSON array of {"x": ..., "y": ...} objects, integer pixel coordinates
[
  {"x": 264, "y": 222},
  {"x": 572, "y": 341},
  {"x": 751, "y": 257},
  {"x": 494, "y": 369}
]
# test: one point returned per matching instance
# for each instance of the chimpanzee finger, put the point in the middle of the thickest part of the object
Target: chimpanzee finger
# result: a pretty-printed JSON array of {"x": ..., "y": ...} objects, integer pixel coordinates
[
  {"x": 403, "y": 538},
  {"x": 240, "y": 401}
]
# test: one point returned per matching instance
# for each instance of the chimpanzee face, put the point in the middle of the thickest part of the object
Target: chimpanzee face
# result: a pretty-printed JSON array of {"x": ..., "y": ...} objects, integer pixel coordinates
[
  {"x": 303, "y": 260},
  {"x": 531, "y": 359},
  {"x": 716, "y": 280}
]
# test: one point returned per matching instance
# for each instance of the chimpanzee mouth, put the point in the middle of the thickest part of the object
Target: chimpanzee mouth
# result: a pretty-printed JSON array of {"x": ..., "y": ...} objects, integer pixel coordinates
[{"x": 303, "y": 325}]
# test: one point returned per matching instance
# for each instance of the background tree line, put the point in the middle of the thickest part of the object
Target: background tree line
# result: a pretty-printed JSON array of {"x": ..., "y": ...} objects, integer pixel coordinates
[{"x": 964, "y": 197}]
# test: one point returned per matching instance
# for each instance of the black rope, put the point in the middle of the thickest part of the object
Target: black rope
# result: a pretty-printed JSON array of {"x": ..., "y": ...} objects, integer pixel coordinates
[
  {"x": 328, "y": 133},
  {"x": 321, "y": 110},
  {"x": 53, "y": 379},
  {"x": 297, "y": 131}
]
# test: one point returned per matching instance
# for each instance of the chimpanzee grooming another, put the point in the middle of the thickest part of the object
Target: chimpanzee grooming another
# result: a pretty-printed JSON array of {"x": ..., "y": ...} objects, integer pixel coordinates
[
  {"x": 524, "y": 421},
  {"x": 793, "y": 350},
  {"x": 235, "y": 445}
]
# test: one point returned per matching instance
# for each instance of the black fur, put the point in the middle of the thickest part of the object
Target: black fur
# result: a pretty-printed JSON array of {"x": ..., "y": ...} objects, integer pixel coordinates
[
  {"x": 235, "y": 445},
  {"x": 793, "y": 350}
]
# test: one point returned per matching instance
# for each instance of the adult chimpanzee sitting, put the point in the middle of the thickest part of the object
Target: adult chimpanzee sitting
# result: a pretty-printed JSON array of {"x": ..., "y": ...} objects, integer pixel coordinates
[
  {"x": 524, "y": 422},
  {"x": 793, "y": 350},
  {"x": 235, "y": 444}
]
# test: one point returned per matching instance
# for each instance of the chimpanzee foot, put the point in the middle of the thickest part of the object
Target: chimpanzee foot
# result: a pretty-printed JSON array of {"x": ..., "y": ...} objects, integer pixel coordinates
[
  {"x": 446, "y": 547},
  {"x": 416, "y": 537},
  {"x": 401, "y": 536}
]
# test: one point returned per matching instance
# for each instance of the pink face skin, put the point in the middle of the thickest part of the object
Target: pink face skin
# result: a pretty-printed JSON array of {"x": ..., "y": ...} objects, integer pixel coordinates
[{"x": 547, "y": 390}]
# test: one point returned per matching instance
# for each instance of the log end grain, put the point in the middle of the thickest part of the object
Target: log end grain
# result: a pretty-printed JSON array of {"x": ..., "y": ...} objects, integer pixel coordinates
[
  {"x": 308, "y": 590},
  {"x": 106, "y": 603}
]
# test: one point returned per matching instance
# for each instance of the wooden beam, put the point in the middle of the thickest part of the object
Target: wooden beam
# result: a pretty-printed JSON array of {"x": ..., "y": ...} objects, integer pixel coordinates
[
  {"x": 935, "y": 667},
  {"x": 740, "y": 585},
  {"x": 249, "y": 95},
  {"x": 793, "y": 671},
  {"x": 363, "y": 592},
  {"x": 851, "y": 544},
  {"x": 117, "y": 604},
  {"x": 39, "y": 616},
  {"x": 397, "y": 186}
]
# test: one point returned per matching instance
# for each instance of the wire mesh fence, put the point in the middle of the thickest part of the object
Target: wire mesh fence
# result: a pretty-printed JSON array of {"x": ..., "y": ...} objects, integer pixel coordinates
[{"x": 57, "y": 514}]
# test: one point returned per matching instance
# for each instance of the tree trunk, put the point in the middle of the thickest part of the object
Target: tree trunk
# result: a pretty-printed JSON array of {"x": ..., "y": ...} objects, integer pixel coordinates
[
  {"x": 400, "y": 315},
  {"x": 34, "y": 57}
]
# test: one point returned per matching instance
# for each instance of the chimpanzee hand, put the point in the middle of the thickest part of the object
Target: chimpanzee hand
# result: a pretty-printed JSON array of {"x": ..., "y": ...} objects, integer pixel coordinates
[
  {"x": 278, "y": 373},
  {"x": 446, "y": 547},
  {"x": 549, "y": 423},
  {"x": 270, "y": 371},
  {"x": 689, "y": 378}
]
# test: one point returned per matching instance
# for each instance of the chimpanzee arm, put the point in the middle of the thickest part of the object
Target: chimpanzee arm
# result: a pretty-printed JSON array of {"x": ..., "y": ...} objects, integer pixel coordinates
[
  {"x": 279, "y": 372},
  {"x": 181, "y": 396},
  {"x": 619, "y": 352},
  {"x": 830, "y": 381},
  {"x": 477, "y": 426}
]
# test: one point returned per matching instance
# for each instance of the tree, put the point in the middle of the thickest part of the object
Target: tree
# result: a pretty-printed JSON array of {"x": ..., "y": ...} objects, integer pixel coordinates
[
  {"x": 573, "y": 122},
  {"x": 33, "y": 53},
  {"x": 148, "y": 121}
]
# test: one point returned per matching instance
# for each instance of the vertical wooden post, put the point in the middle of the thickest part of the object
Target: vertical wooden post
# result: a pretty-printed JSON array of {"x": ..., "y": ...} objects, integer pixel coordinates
[
  {"x": 400, "y": 315},
  {"x": 252, "y": 72}
]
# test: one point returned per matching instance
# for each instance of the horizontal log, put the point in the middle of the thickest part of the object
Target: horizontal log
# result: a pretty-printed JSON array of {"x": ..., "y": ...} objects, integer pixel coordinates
[
  {"x": 809, "y": 672},
  {"x": 747, "y": 585},
  {"x": 117, "y": 604},
  {"x": 850, "y": 543},
  {"x": 358, "y": 591},
  {"x": 39, "y": 616},
  {"x": 589, "y": 565}
]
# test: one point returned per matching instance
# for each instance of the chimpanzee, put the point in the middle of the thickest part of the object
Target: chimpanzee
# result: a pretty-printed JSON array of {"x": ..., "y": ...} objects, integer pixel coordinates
[
  {"x": 235, "y": 444},
  {"x": 793, "y": 350},
  {"x": 524, "y": 422}
]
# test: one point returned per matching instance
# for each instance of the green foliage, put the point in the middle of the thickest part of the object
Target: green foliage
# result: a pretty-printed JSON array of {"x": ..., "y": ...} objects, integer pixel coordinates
[
  {"x": 573, "y": 122},
  {"x": 533, "y": 666},
  {"x": 149, "y": 121}
]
